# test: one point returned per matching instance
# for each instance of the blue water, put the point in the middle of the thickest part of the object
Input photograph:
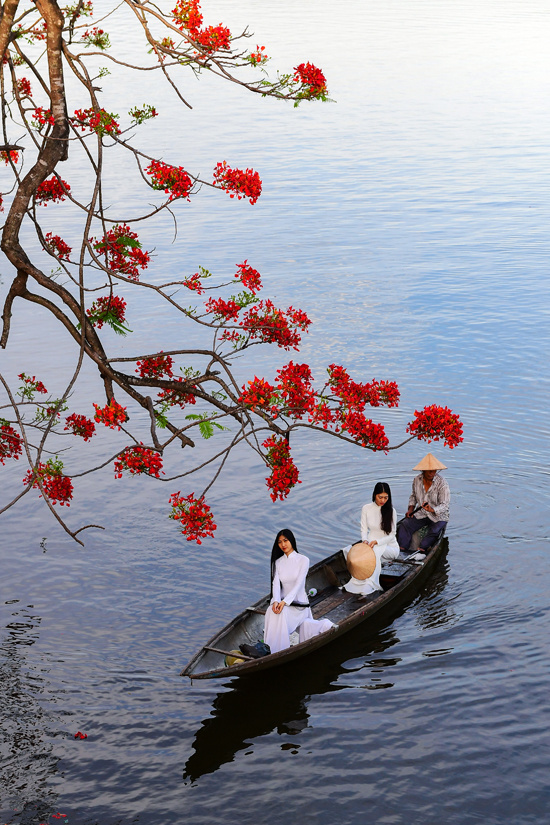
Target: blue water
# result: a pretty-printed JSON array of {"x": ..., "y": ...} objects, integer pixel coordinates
[{"x": 410, "y": 219}]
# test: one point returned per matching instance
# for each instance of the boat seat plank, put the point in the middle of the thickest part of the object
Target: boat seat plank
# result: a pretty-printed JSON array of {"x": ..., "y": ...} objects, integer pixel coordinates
[
  {"x": 335, "y": 599},
  {"x": 256, "y": 610},
  {"x": 228, "y": 653}
]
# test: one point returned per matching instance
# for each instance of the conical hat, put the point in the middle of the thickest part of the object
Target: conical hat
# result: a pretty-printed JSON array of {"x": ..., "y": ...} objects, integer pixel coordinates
[
  {"x": 361, "y": 561},
  {"x": 430, "y": 462}
]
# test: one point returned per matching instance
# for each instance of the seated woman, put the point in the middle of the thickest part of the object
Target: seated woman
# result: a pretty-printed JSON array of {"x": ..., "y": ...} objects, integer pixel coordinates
[
  {"x": 364, "y": 560},
  {"x": 289, "y": 609}
]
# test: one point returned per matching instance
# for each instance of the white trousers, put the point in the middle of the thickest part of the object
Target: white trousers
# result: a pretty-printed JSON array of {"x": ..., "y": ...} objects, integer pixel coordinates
[{"x": 279, "y": 626}]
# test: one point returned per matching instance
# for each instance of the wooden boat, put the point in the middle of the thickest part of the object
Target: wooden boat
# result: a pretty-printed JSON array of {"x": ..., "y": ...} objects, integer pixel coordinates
[{"x": 400, "y": 579}]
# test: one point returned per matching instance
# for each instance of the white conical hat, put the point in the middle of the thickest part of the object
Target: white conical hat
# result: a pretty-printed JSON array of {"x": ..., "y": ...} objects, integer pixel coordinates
[{"x": 430, "y": 462}]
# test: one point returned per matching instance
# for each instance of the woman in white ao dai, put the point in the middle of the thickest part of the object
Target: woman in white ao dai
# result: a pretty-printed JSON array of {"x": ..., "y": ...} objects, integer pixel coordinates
[
  {"x": 378, "y": 525},
  {"x": 289, "y": 608}
]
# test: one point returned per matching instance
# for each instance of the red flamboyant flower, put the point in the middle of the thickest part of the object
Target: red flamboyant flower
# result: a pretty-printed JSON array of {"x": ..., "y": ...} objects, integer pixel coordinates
[
  {"x": 43, "y": 117},
  {"x": 434, "y": 423},
  {"x": 57, "y": 488},
  {"x": 10, "y": 442},
  {"x": 7, "y": 156},
  {"x": 239, "y": 183},
  {"x": 123, "y": 251},
  {"x": 52, "y": 190},
  {"x": 78, "y": 735},
  {"x": 174, "y": 180},
  {"x": 30, "y": 386},
  {"x": 96, "y": 37},
  {"x": 312, "y": 79},
  {"x": 80, "y": 425},
  {"x": 266, "y": 322},
  {"x": 24, "y": 87},
  {"x": 137, "y": 460},
  {"x": 228, "y": 310},
  {"x": 156, "y": 367},
  {"x": 250, "y": 278},
  {"x": 257, "y": 58},
  {"x": 100, "y": 121},
  {"x": 194, "y": 283},
  {"x": 294, "y": 384},
  {"x": 58, "y": 246},
  {"x": 214, "y": 38},
  {"x": 194, "y": 515},
  {"x": 284, "y": 473},
  {"x": 187, "y": 16},
  {"x": 112, "y": 414},
  {"x": 363, "y": 430},
  {"x": 259, "y": 393},
  {"x": 177, "y": 398},
  {"x": 109, "y": 309}
]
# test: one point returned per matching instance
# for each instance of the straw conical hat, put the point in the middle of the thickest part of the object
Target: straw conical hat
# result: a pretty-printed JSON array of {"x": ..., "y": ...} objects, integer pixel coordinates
[
  {"x": 361, "y": 561},
  {"x": 430, "y": 462}
]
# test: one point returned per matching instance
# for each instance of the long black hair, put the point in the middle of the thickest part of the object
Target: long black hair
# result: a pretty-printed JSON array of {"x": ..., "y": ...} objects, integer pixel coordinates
[
  {"x": 276, "y": 551},
  {"x": 386, "y": 511}
]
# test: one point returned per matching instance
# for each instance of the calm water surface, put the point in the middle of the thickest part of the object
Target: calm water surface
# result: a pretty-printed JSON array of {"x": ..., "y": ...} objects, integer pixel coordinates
[{"x": 411, "y": 219}]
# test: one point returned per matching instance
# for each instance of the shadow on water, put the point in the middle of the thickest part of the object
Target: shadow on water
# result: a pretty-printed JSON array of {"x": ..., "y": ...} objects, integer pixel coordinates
[
  {"x": 27, "y": 763},
  {"x": 255, "y": 705}
]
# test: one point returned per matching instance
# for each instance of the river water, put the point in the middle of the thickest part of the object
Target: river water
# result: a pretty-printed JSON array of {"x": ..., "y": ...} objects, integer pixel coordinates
[{"x": 410, "y": 219}]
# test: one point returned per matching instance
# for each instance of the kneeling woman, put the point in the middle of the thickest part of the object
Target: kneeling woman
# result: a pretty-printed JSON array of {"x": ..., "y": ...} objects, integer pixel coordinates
[
  {"x": 289, "y": 609},
  {"x": 378, "y": 520}
]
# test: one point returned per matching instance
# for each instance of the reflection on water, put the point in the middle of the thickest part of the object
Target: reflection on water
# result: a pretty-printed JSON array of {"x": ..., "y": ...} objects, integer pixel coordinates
[{"x": 25, "y": 753}]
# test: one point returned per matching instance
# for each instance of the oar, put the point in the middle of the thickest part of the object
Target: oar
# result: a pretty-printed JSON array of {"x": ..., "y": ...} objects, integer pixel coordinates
[{"x": 420, "y": 506}]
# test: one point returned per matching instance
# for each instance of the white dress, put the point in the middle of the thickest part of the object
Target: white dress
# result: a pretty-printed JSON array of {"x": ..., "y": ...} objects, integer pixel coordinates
[
  {"x": 289, "y": 585},
  {"x": 386, "y": 548}
]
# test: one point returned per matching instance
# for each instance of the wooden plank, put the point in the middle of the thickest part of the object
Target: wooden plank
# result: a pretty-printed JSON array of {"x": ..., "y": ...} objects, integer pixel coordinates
[
  {"x": 256, "y": 610},
  {"x": 229, "y": 653}
]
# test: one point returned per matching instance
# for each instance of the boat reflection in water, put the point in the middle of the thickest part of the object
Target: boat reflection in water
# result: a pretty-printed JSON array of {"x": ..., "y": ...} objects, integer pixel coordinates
[{"x": 278, "y": 700}]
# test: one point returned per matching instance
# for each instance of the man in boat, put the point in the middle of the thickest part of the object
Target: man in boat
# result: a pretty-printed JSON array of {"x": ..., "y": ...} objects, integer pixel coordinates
[{"x": 428, "y": 504}]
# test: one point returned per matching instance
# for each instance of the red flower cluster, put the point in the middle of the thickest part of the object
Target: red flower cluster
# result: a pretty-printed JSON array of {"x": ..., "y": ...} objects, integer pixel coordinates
[
  {"x": 57, "y": 487},
  {"x": 100, "y": 121},
  {"x": 275, "y": 326},
  {"x": 78, "y": 735},
  {"x": 24, "y": 87},
  {"x": 138, "y": 460},
  {"x": 434, "y": 423},
  {"x": 43, "y": 117},
  {"x": 294, "y": 384},
  {"x": 239, "y": 183},
  {"x": 284, "y": 473},
  {"x": 112, "y": 414},
  {"x": 156, "y": 367},
  {"x": 228, "y": 310},
  {"x": 80, "y": 425},
  {"x": 30, "y": 386},
  {"x": 188, "y": 18},
  {"x": 214, "y": 38},
  {"x": 7, "y": 156},
  {"x": 39, "y": 33},
  {"x": 259, "y": 393},
  {"x": 250, "y": 278},
  {"x": 145, "y": 113},
  {"x": 194, "y": 283},
  {"x": 123, "y": 251},
  {"x": 96, "y": 37},
  {"x": 312, "y": 79},
  {"x": 58, "y": 246},
  {"x": 109, "y": 309},
  {"x": 187, "y": 15},
  {"x": 256, "y": 58},
  {"x": 363, "y": 430},
  {"x": 358, "y": 395},
  {"x": 177, "y": 398},
  {"x": 174, "y": 180},
  {"x": 53, "y": 189},
  {"x": 194, "y": 516},
  {"x": 10, "y": 442}
]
